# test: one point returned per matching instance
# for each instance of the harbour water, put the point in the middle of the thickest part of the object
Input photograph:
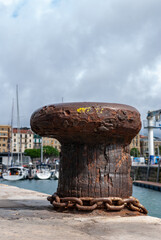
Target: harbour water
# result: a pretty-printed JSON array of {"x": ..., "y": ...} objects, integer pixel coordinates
[{"x": 149, "y": 198}]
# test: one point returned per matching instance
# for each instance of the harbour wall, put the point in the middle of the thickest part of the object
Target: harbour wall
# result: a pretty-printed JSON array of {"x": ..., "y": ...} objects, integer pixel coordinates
[{"x": 142, "y": 173}]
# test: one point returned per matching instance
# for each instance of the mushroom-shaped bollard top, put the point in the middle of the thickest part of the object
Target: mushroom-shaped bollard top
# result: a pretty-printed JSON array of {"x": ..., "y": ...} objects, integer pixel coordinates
[
  {"x": 95, "y": 159},
  {"x": 87, "y": 122}
]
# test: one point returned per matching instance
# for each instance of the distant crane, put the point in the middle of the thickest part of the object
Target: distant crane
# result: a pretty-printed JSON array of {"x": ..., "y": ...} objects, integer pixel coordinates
[{"x": 151, "y": 124}]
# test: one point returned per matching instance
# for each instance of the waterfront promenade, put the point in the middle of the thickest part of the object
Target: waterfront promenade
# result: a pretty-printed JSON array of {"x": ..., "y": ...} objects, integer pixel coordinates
[{"x": 25, "y": 214}]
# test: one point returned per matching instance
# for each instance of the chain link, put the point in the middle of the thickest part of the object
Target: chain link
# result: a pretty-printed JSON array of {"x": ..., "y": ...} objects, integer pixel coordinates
[{"x": 89, "y": 204}]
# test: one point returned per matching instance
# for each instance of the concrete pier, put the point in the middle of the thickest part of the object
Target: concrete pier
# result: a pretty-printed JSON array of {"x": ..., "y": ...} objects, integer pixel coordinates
[
  {"x": 147, "y": 184},
  {"x": 26, "y": 214}
]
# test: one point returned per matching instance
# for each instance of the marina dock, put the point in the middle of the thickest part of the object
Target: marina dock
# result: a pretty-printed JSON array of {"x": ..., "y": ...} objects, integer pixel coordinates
[
  {"x": 152, "y": 185},
  {"x": 26, "y": 214}
]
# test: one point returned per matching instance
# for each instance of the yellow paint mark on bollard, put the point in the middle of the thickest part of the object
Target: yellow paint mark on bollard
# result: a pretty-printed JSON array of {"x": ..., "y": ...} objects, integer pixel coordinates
[
  {"x": 83, "y": 110},
  {"x": 87, "y": 109},
  {"x": 99, "y": 110}
]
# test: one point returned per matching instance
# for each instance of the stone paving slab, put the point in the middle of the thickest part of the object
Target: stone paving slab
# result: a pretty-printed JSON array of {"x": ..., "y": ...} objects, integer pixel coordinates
[{"x": 27, "y": 214}]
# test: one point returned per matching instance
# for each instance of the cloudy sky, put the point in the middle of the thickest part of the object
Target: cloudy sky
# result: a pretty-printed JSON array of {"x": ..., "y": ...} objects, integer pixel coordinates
[{"x": 87, "y": 50}]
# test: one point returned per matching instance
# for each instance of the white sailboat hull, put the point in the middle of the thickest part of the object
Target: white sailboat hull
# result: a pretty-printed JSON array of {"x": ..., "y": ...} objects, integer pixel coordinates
[
  {"x": 56, "y": 175},
  {"x": 15, "y": 173},
  {"x": 12, "y": 177},
  {"x": 43, "y": 175}
]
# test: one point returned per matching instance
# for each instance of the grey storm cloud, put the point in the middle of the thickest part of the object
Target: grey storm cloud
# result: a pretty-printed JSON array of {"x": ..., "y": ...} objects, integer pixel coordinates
[{"x": 88, "y": 50}]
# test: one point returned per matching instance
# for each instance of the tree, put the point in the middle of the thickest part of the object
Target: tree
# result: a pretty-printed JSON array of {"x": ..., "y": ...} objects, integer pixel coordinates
[
  {"x": 49, "y": 151},
  {"x": 33, "y": 153},
  {"x": 134, "y": 152}
]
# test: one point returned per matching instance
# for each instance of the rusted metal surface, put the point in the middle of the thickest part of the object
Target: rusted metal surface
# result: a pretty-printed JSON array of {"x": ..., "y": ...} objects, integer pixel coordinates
[
  {"x": 90, "y": 204},
  {"x": 87, "y": 122},
  {"x": 95, "y": 160}
]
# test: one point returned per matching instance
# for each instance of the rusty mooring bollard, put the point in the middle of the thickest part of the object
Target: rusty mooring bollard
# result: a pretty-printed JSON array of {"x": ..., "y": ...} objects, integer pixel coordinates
[{"x": 95, "y": 160}]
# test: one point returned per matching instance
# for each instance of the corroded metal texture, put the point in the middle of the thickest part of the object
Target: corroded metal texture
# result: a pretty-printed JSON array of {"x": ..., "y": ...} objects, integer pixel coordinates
[
  {"x": 95, "y": 160},
  {"x": 87, "y": 122},
  {"x": 98, "y": 170}
]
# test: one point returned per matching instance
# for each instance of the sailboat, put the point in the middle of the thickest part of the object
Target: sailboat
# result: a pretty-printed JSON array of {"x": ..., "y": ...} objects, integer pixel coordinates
[
  {"x": 55, "y": 171},
  {"x": 42, "y": 170},
  {"x": 15, "y": 172}
]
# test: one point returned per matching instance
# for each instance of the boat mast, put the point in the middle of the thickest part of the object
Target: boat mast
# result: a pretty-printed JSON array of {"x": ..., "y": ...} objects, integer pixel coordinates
[
  {"x": 42, "y": 150},
  {"x": 9, "y": 141},
  {"x": 12, "y": 132},
  {"x": 18, "y": 125}
]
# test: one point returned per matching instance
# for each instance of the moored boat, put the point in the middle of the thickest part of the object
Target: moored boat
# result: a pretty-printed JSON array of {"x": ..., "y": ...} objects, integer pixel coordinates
[
  {"x": 43, "y": 171},
  {"x": 56, "y": 174},
  {"x": 55, "y": 171},
  {"x": 15, "y": 173}
]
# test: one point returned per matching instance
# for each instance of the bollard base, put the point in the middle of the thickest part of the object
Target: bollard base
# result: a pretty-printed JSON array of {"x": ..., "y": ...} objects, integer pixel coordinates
[{"x": 95, "y": 170}]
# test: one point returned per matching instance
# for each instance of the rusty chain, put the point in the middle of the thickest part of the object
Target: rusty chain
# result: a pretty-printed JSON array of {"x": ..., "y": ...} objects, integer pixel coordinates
[{"x": 89, "y": 204}]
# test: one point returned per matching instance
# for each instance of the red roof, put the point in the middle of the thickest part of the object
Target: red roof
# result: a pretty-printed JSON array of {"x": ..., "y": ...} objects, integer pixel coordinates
[
  {"x": 25, "y": 131},
  {"x": 143, "y": 137}
]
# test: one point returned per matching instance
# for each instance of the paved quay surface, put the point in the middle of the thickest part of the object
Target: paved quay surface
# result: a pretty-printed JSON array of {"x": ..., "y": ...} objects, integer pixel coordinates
[{"x": 26, "y": 214}]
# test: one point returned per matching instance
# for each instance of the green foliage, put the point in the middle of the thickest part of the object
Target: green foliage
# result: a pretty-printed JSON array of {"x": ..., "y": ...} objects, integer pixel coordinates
[
  {"x": 33, "y": 153},
  {"x": 48, "y": 151},
  {"x": 134, "y": 152}
]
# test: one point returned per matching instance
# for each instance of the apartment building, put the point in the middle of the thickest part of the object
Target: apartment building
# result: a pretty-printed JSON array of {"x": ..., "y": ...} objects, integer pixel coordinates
[
  {"x": 52, "y": 142},
  {"x": 37, "y": 141},
  {"x": 135, "y": 143},
  {"x": 5, "y": 136},
  {"x": 144, "y": 145},
  {"x": 22, "y": 139}
]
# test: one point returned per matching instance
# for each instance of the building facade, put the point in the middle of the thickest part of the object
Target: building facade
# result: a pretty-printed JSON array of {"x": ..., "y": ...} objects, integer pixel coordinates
[
  {"x": 5, "y": 138},
  {"x": 22, "y": 139},
  {"x": 46, "y": 142},
  {"x": 37, "y": 141},
  {"x": 135, "y": 143},
  {"x": 144, "y": 146},
  {"x": 52, "y": 142},
  {"x": 17, "y": 140}
]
